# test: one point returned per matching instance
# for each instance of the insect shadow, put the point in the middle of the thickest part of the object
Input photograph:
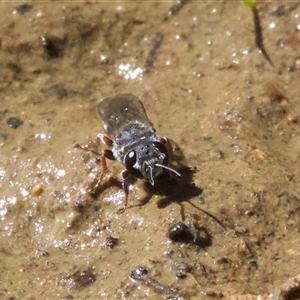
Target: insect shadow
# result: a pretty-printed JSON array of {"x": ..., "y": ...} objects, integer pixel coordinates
[{"x": 174, "y": 189}]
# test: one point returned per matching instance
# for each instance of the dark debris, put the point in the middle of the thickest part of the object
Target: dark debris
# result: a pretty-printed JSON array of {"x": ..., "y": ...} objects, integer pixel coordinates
[
  {"x": 174, "y": 9},
  {"x": 53, "y": 46},
  {"x": 67, "y": 297},
  {"x": 111, "y": 242},
  {"x": 259, "y": 40},
  {"x": 139, "y": 273},
  {"x": 142, "y": 274},
  {"x": 14, "y": 122},
  {"x": 80, "y": 280},
  {"x": 22, "y": 9},
  {"x": 157, "y": 41},
  {"x": 3, "y": 136},
  {"x": 3, "y": 114},
  {"x": 55, "y": 90},
  {"x": 160, "y": 288}
]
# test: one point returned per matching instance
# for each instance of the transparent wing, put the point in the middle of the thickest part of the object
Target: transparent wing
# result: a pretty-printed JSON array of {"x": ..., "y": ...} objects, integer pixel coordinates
[{"x": 120, "y": 111}]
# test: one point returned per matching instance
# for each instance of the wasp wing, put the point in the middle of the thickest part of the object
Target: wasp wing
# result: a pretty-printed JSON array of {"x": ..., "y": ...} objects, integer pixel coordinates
[{"x": 120, "y": 111}]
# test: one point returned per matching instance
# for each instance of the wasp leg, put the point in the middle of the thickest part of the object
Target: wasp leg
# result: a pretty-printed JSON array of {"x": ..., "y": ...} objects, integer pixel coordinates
[
  {"x": 104, "y": 139},
  {"x": 105, "y": 154},
  {"x": 100, "y": 139},
  {"x": 124, "y": 175}
]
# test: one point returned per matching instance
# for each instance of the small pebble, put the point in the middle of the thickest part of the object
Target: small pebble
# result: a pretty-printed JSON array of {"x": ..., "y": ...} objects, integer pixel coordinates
[
  {"x": 36, "y": 190},
  {"x": 297, "y": 63},
  {"x": 292, "y": 118},
  {"x": 181, "y": 233},
  {"x": 67, "y": 297},
  {"x": 258, "y": 154},
  {"x": 51, "y": 47},
  {"x": 111, "y": 242},
  {"x": 274, "y": 92},
  {"x": 181, "y": 275},
  {"x": 14, "y": 122},
  {"x": 22, "y": 9},
  {"x": 253, "y": 264},
  {"x": 139, "y": 273}
]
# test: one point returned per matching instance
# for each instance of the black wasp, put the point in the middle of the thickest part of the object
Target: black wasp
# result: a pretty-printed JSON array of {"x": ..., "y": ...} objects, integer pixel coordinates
[{"x": 134, "y": 141}]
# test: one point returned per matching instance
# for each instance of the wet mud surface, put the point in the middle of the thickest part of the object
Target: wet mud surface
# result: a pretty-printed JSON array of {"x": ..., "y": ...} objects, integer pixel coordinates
[{"x": 229, "y": 231}]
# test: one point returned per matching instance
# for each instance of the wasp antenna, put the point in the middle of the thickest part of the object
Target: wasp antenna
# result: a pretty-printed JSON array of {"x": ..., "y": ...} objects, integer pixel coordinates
[
  {"x": 150, "y": 175},
  {"x": 168, "y": 168}
]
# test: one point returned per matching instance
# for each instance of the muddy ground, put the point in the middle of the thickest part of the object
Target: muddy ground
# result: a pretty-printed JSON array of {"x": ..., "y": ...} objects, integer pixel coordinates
[{"x": 204, "y": 84}]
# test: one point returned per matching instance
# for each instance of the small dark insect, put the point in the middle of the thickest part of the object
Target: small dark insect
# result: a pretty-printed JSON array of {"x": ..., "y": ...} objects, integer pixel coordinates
[
  {"x": 180, "y": 232},
  {"x": 134, "y": 141}
]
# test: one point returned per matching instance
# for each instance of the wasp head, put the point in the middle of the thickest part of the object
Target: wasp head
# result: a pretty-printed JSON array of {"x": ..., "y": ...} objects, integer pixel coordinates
[{"x": 147, "y": 161}]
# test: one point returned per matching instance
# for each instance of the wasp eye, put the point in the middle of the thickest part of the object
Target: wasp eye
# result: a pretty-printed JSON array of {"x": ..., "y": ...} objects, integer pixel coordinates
[{"x": 130, "y": 160}]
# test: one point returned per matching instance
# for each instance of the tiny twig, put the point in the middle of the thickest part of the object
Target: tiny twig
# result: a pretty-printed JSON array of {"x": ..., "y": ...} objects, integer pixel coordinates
[
  {"x": 259, "y": 41},
  {"x": 153, "y": 52}
]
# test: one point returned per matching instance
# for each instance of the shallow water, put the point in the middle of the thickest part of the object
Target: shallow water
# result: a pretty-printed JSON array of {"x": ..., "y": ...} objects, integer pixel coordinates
[{"x": 232, "y": 113}]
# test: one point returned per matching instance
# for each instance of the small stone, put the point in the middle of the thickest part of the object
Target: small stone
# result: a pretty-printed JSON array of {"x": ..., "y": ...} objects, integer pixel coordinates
[
  {"x": 139, "y": 273},
  {"x": 22, "y": 9},
  {"x": 14, "y": 122},
  {"x": 36, "y": 190},
  {"x": 111, "y": 242}
]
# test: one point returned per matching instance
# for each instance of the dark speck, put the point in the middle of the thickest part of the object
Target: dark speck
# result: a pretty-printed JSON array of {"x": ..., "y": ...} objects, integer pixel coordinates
[
  {"x": 3, "y": 114},
  {"x": 67, "y": 297},
  {"x": 80, "y": 280},
  {"x": 45, "y": 254},
  {"x": 281, "y": 42},
  {"x": 22, "y": 9},
  {"x": 220, "y": 154},
  {"x": 176, "y": 7},
  {"x": 253, "y": 264},
  {"x": 78, "y": 207},
  {"x": 111, "y": 242},
  {"x": 180, "y": 232},
  {"x": 181, "y": 266},
  {"x": 55, "y": 90},
  {"x": 139, "y": 273},
  {"x": 181, "y": 275},
  {"x": 52, "y": 46},
  {"x": 14, "y": 122},
  {"x": 3, "y": 136},
  {"x": 169, "y": 253}
]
